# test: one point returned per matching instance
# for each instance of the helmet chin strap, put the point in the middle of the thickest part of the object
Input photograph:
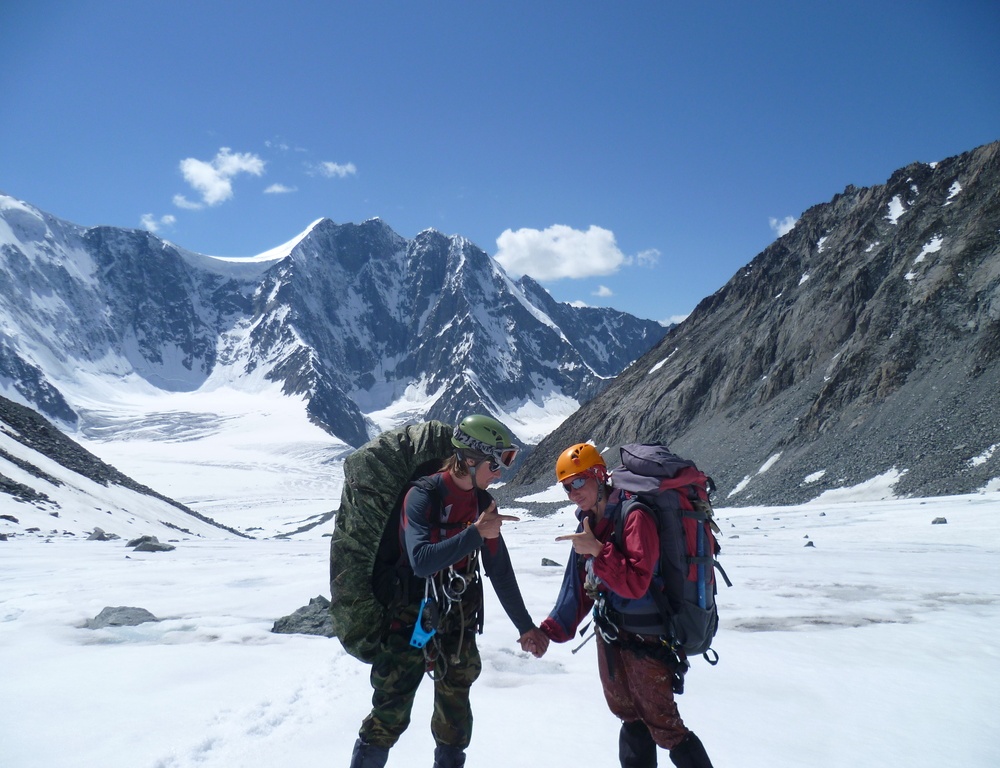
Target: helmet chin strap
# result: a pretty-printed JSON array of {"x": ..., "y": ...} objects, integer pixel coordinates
[
  {"x": 473, "y": 471},
  {"x": 601, "y": 499},
  {"x": 472, "y": 468}
]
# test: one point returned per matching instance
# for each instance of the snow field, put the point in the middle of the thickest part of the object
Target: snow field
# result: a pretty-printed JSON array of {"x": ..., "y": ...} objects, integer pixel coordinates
[{"x": 877, "y": 646}]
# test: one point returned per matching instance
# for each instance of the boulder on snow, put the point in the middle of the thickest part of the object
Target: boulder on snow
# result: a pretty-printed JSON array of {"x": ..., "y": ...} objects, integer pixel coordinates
[
  {"x": 939, "y": 521},
  {"x": 551, "y": 563},
  {"x": 99, "y": 534},
  {"x": 312, "y": 619},
  {"x": 154, "y": 546},
  {"x": 120, "y": 616},
  {"x": 149, "y": 544}
]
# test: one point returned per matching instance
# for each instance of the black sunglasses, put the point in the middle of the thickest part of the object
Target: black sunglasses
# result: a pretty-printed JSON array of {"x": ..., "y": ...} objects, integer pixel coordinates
[{"x": 575, "y": 484}]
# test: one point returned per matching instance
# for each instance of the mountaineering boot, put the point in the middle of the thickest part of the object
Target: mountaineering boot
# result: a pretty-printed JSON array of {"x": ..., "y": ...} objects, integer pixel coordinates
[
  {"x": 367, "y": 755},
  {"x": 636, "y": 748},
  {"x": 448, "y": 757},
  {"x": 690, "y": 753}
]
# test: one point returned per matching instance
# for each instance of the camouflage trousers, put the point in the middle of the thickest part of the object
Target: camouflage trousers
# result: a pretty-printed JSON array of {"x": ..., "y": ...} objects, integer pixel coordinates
[
  {"x": 639, "y": 686},
  {"x": 397, "y": 672}
]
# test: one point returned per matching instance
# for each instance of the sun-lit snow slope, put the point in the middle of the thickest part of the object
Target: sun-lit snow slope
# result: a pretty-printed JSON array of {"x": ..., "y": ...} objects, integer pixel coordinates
[
  {"x": 242, "y": 452},
  {"x": 66, "y": 493},
  {"x": 250, "y": 459}
]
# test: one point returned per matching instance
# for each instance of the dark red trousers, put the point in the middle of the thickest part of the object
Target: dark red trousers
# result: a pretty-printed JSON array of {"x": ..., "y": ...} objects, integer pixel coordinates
[{"x": 639, "y": 686}]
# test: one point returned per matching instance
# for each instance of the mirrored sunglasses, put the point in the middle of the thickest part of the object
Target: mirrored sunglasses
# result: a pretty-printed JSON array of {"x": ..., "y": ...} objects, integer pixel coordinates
[{"x": 575, "y": 484}]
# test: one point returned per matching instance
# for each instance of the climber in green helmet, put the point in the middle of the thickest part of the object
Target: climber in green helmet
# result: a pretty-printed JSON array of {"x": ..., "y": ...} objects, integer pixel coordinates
[
  {"x": 482, "y": 440},
  {"x": 447, "y": 524}
]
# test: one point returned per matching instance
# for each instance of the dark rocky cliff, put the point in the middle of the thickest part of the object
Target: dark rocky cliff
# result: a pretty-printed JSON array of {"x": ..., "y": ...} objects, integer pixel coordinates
[{"x": 865, "y": 341}]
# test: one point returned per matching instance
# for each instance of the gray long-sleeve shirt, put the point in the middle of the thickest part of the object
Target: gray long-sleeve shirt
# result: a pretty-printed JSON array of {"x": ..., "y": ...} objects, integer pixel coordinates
[{"x": 434, "y": 546}]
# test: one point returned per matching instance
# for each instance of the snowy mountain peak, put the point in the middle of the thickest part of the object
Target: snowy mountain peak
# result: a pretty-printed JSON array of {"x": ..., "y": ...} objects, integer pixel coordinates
[
  {"x": 351, "y": 319},
  {"x": 278, "y": 252}
]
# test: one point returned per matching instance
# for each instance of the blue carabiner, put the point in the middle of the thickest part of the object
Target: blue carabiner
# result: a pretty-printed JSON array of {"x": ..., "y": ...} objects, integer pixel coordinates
[{"x": 422, "y": 634}]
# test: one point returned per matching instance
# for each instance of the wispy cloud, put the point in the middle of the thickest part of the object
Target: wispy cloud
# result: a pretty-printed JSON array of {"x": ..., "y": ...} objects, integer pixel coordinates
[
  {"x": 783, "y": 226},
  {"x": 559, "y": 252},
  {"x": 212, "y": 179},
  {"x": 647, "y": 258},
  {"x": 151, "y": 223},
  {"x": 334, "y": 170},
  {"x": 182, "y": 202},
  {"x": 279, "y": 189},
  {"x": 603, "y": 292}
]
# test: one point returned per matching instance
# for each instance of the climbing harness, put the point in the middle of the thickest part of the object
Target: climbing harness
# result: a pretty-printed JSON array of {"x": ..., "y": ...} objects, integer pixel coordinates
[{"x": 444, "y": 594}]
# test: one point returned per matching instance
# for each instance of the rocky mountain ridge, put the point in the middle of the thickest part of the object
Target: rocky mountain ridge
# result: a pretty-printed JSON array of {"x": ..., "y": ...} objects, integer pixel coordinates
[
  {"x": 863, "y": 344},
  {"x": 352, "y": 319}
]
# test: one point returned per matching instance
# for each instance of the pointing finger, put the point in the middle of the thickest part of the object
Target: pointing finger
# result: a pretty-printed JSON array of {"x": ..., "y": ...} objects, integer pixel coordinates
[{"x": 512, "y": 518}]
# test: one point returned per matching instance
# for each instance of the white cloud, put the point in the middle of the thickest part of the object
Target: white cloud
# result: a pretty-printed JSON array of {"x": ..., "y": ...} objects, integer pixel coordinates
[
  {"x": 279, "y": 189},
  {"x": 647, "y": 258},
  {"x": 182, "y": 202},
  {"x": 559, "y": 251},
  {"x": 674, "y": 320},
  {"x": 603, "y": 291},
  {"x": 331, "y": 170},
  {"x": 151, "y": 223},
  {"x": 213, "y": 179},
  {"x": 783, "y": 226}
]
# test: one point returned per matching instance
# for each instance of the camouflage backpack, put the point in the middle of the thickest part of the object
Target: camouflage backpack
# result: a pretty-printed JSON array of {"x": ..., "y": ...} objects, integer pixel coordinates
[{"x": 364, "y": 548}]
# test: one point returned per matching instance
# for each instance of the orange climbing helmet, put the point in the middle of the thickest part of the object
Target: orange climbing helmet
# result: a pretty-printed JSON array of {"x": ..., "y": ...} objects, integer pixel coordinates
[{"x": 581, "y": 459}]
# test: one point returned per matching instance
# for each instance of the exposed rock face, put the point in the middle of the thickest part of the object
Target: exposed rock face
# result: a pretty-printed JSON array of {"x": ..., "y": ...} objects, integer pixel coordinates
[{"x": 864, "y": 341}]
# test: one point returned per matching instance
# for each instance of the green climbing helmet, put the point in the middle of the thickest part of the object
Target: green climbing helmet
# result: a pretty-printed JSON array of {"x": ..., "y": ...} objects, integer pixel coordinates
[{"x": 483, "y": 437}]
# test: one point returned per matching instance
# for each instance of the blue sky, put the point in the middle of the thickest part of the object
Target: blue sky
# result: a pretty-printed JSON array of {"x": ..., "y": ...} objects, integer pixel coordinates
[{"x": 632, "y": 154}]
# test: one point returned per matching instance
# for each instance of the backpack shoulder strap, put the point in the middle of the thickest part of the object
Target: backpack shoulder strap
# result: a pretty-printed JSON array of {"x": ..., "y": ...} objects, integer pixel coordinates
[
  {"x": 429, "y": 485},
  {"x": 629, "y": 505}
]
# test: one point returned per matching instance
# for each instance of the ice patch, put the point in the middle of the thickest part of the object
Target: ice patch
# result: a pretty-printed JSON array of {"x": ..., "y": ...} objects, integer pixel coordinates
[
  {"x": 953, "y": 192},
  {"x": 985, "y": 456},
  {"x": 769, "y": 463},
  {"x": 896, "y": 209},
  {"x": 663, "y": 362},
  {"x": 933, "y": 246},
  {"x": 879, "y": 488},
  {"x": 739, "y": 486}
]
